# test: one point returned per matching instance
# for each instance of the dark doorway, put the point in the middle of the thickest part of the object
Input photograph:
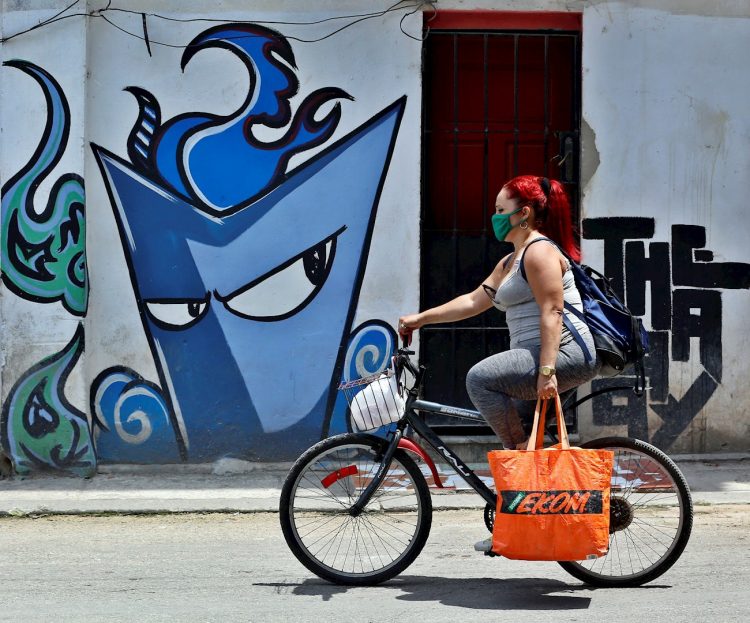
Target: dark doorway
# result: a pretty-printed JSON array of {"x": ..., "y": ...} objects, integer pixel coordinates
[{"x": 501, "y": 98}]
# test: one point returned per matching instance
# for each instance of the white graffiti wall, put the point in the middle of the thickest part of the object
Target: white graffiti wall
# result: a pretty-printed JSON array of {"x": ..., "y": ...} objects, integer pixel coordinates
[
  {"x": 244, "y": 179},
  {"x": 665, "y": 98},
  {"x": 211, "y": 217}
]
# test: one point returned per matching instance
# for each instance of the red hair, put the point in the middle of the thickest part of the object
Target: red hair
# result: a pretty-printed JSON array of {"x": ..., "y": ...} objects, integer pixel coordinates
[{"x": 552, "y": 214}]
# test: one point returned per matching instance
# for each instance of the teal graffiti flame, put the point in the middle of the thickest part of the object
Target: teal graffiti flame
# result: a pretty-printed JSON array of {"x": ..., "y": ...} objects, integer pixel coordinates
[
  {"x": 43, "y": 254},
  {"x": 40, "y": 429}
]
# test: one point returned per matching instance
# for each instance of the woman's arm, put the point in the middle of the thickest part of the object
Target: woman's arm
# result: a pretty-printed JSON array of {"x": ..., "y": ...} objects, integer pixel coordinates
[
  {"x": 462, "y": 307},
  {"x": 544, "y": 268}
]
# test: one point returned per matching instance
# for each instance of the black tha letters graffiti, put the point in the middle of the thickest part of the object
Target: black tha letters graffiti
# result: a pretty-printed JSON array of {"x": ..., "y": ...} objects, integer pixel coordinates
[{"x": 683, "y": 306}]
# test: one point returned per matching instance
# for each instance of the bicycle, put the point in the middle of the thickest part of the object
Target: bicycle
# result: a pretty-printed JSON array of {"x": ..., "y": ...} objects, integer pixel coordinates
[{"x": 355, "y": 509}]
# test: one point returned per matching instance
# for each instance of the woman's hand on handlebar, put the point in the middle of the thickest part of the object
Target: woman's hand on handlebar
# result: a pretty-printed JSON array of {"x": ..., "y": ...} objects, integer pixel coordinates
[{"x": 407, "y": 325}]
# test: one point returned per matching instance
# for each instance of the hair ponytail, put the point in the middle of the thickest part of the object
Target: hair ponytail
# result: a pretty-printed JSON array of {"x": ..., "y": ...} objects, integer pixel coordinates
[{"x": 552, "y": 209}]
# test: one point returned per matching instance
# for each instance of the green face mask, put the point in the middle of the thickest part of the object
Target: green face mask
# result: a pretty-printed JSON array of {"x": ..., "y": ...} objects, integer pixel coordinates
[{"x": 501, "y": 224}]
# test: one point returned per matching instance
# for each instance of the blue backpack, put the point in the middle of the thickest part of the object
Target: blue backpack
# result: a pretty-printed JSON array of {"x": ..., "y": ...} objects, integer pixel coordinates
[{"x": 619, "y": 336}]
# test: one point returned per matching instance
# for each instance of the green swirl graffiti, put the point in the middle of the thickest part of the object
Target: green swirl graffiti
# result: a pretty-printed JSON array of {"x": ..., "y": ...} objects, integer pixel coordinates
[
  {"x": 40, "y": 429},
  {"x": 43, "y": 254}
]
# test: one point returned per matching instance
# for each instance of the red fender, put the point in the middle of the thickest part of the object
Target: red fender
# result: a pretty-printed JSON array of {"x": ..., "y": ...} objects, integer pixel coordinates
[{"x": 408, "y": 444}]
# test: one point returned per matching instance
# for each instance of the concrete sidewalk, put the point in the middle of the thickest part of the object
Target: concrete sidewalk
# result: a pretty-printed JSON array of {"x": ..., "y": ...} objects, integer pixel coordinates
[{"x": 235, "y": 486}]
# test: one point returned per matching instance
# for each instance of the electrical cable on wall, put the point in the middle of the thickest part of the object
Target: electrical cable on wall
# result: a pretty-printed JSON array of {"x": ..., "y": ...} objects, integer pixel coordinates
[
  {"x": 55, "y": 18},
  {"x": 401, "y": 5}
]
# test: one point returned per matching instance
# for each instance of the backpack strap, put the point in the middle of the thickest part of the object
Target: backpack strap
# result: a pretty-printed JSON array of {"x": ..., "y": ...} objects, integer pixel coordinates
[
  {"x": 574, "y": 332},
  {"x": 640, "y": 368},
  {"x": 566, "y": 321}
]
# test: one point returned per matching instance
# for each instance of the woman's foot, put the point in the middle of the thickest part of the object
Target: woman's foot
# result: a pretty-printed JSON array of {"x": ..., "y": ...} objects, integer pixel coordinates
[{"x": 483, "y": 546}]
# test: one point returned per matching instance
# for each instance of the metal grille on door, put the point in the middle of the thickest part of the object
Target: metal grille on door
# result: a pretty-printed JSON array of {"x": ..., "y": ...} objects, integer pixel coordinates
[{"x": 496, "y": 104}]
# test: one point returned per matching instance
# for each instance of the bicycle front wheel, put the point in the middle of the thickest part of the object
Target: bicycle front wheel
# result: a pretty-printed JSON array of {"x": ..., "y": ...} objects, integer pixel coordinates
[
  {"x": 651, "y": 516},
  {"x": 376, "y": 544}
]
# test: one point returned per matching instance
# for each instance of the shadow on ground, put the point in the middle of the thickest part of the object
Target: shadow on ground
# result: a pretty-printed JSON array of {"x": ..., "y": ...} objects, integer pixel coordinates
[{"x": 474, "y": 593}]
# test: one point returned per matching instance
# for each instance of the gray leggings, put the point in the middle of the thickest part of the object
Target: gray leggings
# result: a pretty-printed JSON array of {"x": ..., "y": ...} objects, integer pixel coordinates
[{"x": 504, "y": 385}]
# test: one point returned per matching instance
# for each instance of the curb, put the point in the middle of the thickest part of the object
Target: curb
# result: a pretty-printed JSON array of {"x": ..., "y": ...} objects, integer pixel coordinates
[
  {"x": 441, "y": 502},
  {"x": 239, "y": 487}
]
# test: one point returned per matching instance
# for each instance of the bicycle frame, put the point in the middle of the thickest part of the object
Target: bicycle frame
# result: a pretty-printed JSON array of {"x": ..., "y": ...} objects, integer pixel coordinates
[{"x": 412, "y": 418}]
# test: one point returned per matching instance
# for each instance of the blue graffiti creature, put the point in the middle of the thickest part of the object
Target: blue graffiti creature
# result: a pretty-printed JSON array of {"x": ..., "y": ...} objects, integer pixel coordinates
[{"x": 247, "y": 275}]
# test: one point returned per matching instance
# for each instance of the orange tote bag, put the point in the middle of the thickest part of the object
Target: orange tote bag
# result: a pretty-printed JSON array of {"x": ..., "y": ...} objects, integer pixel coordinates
[{"x": 552, "y": 504}]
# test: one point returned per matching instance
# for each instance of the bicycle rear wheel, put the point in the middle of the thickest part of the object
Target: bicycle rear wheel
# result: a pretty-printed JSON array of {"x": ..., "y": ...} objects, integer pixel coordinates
[
  {"x": 651, "y": 516},
  {"x": 368, "y": 548}
]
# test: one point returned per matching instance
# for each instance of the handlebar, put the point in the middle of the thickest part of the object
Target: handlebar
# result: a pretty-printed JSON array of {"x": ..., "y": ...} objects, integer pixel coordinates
[{"x": 401, "y": 361}]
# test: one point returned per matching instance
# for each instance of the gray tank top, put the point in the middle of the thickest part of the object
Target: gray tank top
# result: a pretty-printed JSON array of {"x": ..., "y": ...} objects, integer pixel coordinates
[{"x": 522, "y": 313}]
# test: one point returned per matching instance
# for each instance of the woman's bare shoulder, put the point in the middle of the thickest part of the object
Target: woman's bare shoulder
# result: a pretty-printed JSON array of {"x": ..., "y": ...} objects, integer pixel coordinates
[{"x": 541, "y": 255}]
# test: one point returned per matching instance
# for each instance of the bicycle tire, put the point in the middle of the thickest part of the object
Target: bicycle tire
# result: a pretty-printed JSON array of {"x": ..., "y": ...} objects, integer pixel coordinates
[
  {"x": 663, "y": 505},
  {"x": 372, "y": 547}
]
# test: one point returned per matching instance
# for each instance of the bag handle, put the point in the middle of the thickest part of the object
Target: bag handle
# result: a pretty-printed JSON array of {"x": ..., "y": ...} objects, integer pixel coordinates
[{"x": 536, "y": 439}]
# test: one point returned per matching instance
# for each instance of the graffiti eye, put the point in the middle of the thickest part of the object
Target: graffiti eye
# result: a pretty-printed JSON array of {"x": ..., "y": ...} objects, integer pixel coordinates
[
  {"x": 287, "y": 289},
  {"x": 174, "y": 314}
]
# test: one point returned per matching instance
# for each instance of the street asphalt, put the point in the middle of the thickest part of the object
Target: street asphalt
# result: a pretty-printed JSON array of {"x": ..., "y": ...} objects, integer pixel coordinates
[{"x": 235, "y": 486}]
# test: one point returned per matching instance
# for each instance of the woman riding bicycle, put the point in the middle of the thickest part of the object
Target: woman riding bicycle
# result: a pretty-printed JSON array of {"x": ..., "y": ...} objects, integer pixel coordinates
[
  {"x": 355, "y": 509},
  {"x": 544, "y": 358}
]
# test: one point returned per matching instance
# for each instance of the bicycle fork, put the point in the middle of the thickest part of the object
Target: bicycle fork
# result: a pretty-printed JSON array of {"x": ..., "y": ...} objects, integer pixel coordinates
[{"x": 356, "y": 509}]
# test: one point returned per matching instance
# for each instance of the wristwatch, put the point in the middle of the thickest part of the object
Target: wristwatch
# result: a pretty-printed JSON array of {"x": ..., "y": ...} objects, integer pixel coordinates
[{"x": 547, "y": 370}]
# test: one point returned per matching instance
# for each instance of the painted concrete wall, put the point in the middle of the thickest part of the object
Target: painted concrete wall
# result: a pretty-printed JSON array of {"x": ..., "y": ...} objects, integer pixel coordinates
[
  {"x": 236, "y": 272},
  {"x": 240, "y": 232},
  {"x": 666, "y": 96},
  {"x": 44, "y": 295}
]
